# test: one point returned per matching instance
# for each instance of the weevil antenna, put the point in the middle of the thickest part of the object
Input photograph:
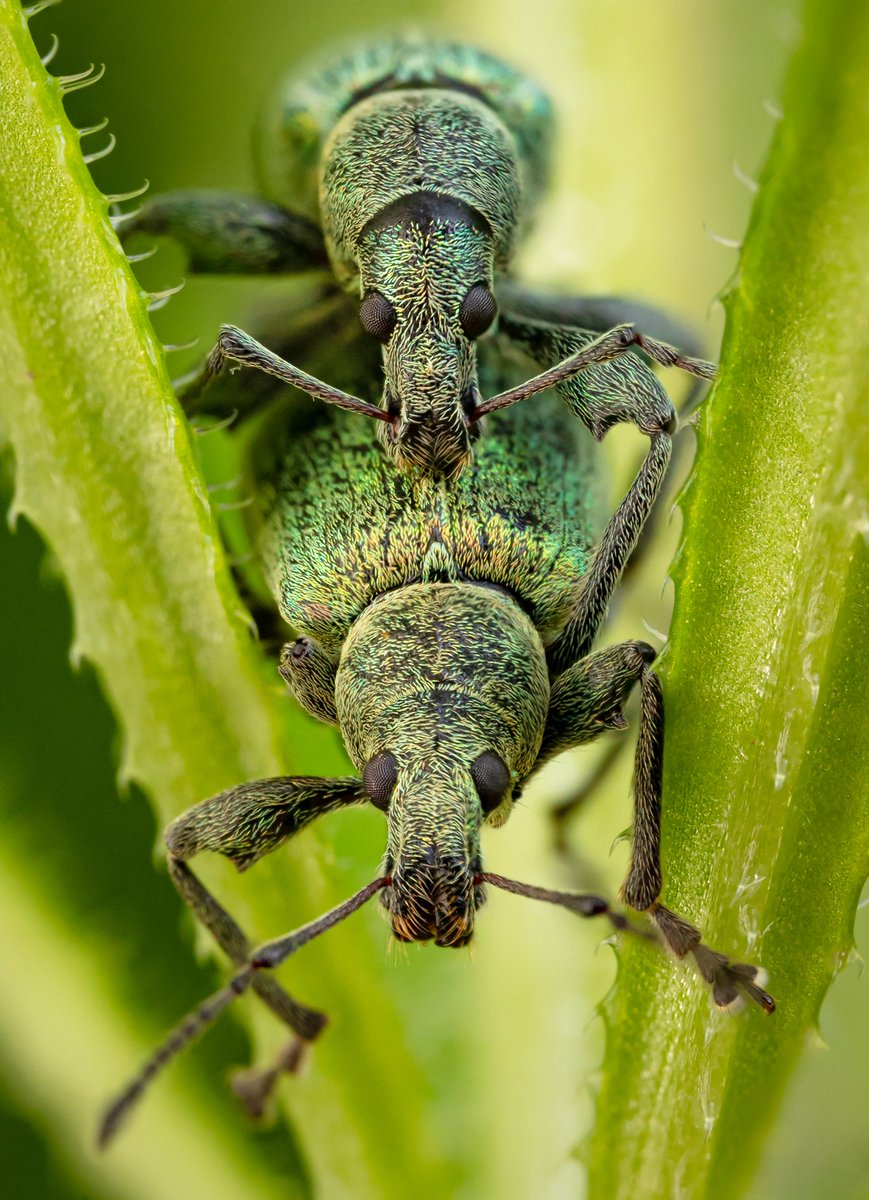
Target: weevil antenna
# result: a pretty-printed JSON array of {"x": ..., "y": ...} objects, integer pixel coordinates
[
  {"x": 239, "y": 347},
  {"x": 728, "y": 979},
  {"x": 582, "y": 904},
  {"x": 603, "y": 349},
  {"x": 269, "y": 955}
]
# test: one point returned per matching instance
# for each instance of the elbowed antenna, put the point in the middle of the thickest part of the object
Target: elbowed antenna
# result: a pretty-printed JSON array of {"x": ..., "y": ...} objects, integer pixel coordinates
[
  {"x": 268, "y": 956},
  {"x": 608, "y": 346},
  {"x": 583, "y": 904},
  {"x": 730, "y": 981},
  {"x": 239, "y": 347}
]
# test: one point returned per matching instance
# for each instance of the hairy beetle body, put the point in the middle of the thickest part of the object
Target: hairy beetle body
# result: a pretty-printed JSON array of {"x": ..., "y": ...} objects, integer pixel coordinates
[
  {"x": 297, "y": 146},
  {"x": 489, "y": 525},
  {"x": 446, "y": 579}
]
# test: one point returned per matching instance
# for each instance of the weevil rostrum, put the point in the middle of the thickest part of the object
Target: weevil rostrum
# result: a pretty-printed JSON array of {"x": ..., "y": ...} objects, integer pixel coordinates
[{"x": 444, "y": 578}]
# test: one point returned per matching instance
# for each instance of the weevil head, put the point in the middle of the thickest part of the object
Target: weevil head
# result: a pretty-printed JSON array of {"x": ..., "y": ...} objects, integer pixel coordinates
[
  {"x": 420, "y": 200},
  {"x": 426, "y": 280},
  {"x": 442, "y": 693}
]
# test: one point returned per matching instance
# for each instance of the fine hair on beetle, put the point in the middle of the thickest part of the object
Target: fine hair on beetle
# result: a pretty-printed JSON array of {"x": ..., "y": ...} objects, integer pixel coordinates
[{"x": 433, "y": 541}]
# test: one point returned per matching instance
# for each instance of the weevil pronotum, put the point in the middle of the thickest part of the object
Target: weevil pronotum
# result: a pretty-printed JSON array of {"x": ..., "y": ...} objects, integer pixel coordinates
[{"x": 443, "y": 578}]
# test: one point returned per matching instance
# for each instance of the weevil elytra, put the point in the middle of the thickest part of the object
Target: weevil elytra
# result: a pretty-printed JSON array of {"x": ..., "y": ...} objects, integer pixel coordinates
[{"x": 443, "y": 577}]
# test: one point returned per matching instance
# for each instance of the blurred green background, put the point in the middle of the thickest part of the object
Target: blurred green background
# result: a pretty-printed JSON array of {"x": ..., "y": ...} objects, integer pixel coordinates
[{"x": 655, "y": 108}]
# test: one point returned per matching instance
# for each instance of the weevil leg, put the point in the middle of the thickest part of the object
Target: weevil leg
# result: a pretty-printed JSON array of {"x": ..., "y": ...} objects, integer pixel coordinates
[
  {"x": 586, "y": 699},
  {"x": 238, "y": 348},
  {"x": 244, "y": 823},
  {"x": 729, "y": 980},
  {"x": 315, "y": 326},
  {"x": 596, "y": 313},
  {"x": 228, "y": 233},
  {"x": 610, "y": 556},
  {"x": 309, "y": 673},
  {"x": 612, "y": 385}
]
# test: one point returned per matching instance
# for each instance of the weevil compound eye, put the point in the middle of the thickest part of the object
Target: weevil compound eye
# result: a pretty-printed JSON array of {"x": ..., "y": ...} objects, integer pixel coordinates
[
  {"x": 377, "y": 316},
  {"x": 477, "y": 311},
  {"x": 491, "y": 778},
  {"x": 378, "y": 779}
]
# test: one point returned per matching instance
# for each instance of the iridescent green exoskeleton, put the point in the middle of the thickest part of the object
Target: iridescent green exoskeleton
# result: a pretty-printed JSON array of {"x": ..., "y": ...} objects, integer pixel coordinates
[{"x": 446, "y": 579}]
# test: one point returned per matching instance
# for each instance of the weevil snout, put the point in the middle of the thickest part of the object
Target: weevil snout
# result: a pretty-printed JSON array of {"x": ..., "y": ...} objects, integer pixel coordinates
[
  {"x": 427, "y": 429},
  {"x": 433, "y": 897},
  {"x": 426, "y": 267}
]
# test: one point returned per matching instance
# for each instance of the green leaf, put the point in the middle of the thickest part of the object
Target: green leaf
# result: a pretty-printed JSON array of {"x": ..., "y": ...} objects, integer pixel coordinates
[{"x": 766, "y": 802}]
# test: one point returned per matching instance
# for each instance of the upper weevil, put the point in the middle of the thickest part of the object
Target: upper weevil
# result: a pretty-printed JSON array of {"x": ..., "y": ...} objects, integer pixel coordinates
[{"x": 445, "y": 582}]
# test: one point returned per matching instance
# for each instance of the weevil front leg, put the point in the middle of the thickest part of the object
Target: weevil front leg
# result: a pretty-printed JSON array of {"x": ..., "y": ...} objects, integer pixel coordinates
[
  {"x": 540, "y": 322},
  {"x": 585, "y": 700},
  {"x": 228, "y": 233},
  {"x": 239, "y": 349},
  {"x": 596, "y": 314},
  {"x": 245, "y": 823},
  {"x": 316, "y": 325},
  {"x": 604, "y": 384}
]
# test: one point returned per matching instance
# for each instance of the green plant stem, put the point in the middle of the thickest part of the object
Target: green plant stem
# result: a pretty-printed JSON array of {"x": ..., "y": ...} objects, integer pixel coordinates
[
  {"x": 104, "y": 469},
  {"x": 766, "y": 801}
]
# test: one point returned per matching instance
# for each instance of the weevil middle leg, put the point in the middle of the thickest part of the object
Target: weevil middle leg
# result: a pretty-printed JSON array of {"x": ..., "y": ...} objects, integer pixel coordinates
[{"x": 573, "y": 672}]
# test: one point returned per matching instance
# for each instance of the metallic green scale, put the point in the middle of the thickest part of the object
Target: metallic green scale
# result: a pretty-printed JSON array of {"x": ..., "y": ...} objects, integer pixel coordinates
[{"x": 343, "y": 526}]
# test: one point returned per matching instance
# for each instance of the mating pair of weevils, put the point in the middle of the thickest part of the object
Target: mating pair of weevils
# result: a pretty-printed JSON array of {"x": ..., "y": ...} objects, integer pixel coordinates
[{"x": 443, "y": 576}]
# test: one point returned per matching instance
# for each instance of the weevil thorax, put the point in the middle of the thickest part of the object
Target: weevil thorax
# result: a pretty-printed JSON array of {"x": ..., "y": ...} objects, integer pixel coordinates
[{"x": 442, "y": 693}]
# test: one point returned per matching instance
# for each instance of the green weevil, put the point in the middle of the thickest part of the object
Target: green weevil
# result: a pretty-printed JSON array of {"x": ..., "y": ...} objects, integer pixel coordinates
[{"x": 444, "y": 578}]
